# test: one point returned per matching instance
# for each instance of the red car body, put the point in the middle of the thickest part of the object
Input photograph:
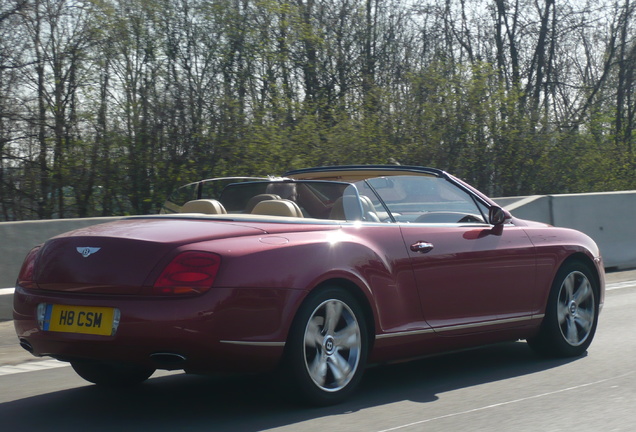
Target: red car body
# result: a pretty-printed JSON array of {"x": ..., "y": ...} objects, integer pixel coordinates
[{"x": 420, "y": 287}]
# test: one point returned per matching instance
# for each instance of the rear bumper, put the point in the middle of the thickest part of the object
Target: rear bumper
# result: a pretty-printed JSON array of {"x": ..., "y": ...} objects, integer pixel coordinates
[{"x": 224, "y": 330}]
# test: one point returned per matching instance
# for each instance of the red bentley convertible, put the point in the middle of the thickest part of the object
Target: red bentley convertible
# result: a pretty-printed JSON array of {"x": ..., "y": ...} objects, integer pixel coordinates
[{"x": 319, "y": 272}]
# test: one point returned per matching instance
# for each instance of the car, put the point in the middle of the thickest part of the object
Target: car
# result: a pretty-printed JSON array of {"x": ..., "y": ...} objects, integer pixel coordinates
[{"x": 315, "y": 274}]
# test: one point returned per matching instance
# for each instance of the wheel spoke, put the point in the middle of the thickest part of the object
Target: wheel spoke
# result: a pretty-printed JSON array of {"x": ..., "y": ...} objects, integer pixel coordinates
[
  {"x": 348, "y": 337},
  {"x": 313, "y": 335},
  {"x": 333, "y": 311},
  {"x": 568, "y": 284},
  {"x": 562, "y": 312},
  {"x": 340, "y": 368},
  {"x": 583, "y": 292},
  {"x": 572, "y": 335},
  {"x": 585, "y": 319},
  {"x": 318, "y": 369}
]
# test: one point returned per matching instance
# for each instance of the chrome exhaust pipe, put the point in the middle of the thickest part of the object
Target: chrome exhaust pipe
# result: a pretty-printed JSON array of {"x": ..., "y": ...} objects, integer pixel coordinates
[
  {"x": 168, "y": 360},
  {"x": 26, "y": 345}
]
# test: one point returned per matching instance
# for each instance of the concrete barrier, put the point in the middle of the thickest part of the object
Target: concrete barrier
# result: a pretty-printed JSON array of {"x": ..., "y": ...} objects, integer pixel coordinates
[
  {"x": 606, "y": 217},
  {"x": 18, "y": 238}
]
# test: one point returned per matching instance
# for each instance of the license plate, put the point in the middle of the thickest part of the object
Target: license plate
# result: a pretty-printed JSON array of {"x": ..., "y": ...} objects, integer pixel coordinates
[{"x": 79, "y": 319}]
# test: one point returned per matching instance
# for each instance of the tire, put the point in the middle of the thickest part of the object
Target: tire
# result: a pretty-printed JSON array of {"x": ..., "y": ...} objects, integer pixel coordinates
[
  {"x": 571, "y": 314},
  {"x": 327, "y": 347},
  {"x": 111, "y": 375}
]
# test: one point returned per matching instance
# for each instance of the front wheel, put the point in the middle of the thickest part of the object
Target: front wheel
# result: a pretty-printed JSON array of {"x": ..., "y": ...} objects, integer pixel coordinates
[
  {"x": 328, "y": 345},
  {"x": 571, "y": 315},
  {"x": 111, "y": 375}
]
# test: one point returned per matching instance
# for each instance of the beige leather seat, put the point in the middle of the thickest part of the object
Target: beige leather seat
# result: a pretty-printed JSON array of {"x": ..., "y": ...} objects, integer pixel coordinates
[
  {"x": 346, "y": 208},
  {"x": 280, "y": 207},
  {"x": 258, "y": 198},
  {"x": 205, "y": 206},
  {"x": 369, "y": 213},
  {"x": 350, "y": 208}
]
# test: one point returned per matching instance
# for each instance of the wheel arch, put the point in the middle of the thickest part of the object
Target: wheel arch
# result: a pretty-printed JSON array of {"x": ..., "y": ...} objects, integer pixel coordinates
[
  {"x": 358, "y": 294},
  {"x": 584, "y": 259},
  {"x": 294, "y": 367},
  {"x": 551, "y": 339}
]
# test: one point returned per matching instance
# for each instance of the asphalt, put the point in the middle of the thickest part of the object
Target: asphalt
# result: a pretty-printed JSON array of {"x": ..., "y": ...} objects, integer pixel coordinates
[{"x": 12, "y": 354}]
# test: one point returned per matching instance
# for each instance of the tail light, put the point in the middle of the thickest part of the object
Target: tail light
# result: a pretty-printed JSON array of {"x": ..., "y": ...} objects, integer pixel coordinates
[
  {"x": 188, "y": 273},
  {"x": 27, "y": 272}
]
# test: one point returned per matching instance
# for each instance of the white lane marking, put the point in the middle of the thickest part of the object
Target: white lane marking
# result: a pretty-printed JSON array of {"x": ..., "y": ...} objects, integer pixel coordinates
[
  {"x": 6, "y": 291},
  {"x": 620, "y": 285},
  {"x": 32, "y": 367},
  {"x": 506, "y": 403}
]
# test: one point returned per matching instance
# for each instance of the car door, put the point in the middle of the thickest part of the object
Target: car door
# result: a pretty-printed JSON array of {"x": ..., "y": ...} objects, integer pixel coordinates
[{"x": 470, "y": 275}]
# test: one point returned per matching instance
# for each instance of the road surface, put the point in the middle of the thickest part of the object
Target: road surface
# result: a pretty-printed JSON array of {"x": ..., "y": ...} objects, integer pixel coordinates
[{"x": 499, "y": 388}]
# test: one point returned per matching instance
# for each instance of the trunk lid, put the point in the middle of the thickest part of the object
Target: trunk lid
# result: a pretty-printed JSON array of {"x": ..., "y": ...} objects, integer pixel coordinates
[{"x": 117, "y": 258}]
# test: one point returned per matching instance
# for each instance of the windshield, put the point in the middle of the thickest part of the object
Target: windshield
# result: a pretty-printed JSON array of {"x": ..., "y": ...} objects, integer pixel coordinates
[{"x": 420, "y": 199}]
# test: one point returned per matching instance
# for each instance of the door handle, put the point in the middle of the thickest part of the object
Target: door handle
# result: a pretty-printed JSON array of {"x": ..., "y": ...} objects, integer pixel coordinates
[{"x": 422, "y": 247}]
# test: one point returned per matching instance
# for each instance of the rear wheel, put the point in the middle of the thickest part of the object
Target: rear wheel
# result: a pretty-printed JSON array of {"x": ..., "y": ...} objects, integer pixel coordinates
[
  {"x": 328, "y": 346},
  {"x": 111, "y": 374},
  {"x": 571, "y": 315}
]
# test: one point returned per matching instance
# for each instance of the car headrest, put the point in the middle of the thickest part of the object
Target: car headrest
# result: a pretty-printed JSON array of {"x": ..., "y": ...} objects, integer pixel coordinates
[
  {"x": 205, "y": 206},
  {"x": 346, "y": 207},
  {"x": 280, "y": 207},
  {"x": 258, "y": 198}
]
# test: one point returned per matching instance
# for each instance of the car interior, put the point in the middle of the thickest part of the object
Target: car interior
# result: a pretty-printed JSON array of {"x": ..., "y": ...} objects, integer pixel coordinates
[{"x": 410, "y": 199}]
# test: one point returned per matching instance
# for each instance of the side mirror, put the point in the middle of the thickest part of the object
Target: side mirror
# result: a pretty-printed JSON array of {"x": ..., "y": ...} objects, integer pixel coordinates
[{"x": 498, "y": 216}]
